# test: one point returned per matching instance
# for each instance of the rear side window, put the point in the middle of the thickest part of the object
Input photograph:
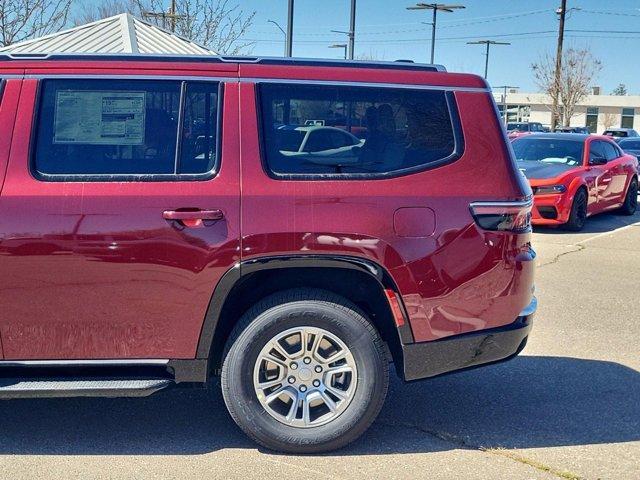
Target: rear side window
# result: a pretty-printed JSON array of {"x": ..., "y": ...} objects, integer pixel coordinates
[
  {"x": 113, "y": 128},
  {"x": 596, "y": 150},
  {"x": 610, "y": 151},
  {"x": 313, "y": 130}
]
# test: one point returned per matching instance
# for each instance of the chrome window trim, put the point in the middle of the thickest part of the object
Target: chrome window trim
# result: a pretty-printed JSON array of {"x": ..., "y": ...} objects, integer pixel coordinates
[{"x": 507, "y": 203}]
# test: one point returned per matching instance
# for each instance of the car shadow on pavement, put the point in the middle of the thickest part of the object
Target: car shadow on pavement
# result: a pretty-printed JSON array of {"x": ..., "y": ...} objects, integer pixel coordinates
[
  {"x": 526, "y": 403},
  {"x": 601, "y": 223}
]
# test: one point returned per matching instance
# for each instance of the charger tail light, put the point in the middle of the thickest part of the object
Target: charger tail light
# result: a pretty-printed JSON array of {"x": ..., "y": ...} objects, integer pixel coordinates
[{"x": 512, "y": 217}]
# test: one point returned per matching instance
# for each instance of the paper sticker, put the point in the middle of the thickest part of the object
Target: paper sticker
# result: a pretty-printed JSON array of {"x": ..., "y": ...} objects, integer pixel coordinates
[{"x": 99, "y": 118}]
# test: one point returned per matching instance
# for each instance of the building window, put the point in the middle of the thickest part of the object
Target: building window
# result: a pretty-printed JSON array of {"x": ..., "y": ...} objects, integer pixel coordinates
[
  {"x": 592, "y": 119},
  {"x": 627, "y": 118},
  {"x": 515, "y": 113}
]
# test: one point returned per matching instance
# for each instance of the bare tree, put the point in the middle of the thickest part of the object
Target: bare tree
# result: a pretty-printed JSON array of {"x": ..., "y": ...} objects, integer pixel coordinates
[
  {"x": 609, "y": 120},
  {"x": 108, "y": 8},
  {"x": 372, "y": 56},
  {"x": 24, "y": 19},
  {"x": 215, "y": 24},
  {"x": 579, "y": 68}
]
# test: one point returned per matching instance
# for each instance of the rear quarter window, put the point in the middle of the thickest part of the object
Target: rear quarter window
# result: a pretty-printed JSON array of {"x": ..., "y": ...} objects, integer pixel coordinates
[{"x": 357, "y": 131}]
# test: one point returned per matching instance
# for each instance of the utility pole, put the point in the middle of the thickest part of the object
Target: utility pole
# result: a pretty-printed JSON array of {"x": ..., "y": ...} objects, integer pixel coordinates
[
  {"x": 171, "y": 15},
  {"x": 487, "y": 43},
  {"x": 289, "y": 42},
  {"x": 436, "y": 7},
  {"x": 562, "y": 11},
  {"x": 504, "y": 102}
]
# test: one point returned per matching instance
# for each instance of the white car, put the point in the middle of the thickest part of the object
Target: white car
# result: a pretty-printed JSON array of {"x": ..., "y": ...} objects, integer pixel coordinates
[{"x": 319, "y": 144}]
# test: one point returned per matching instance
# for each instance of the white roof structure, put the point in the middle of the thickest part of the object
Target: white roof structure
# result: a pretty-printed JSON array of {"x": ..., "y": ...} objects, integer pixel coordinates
[{"x": 122, "y": 33}]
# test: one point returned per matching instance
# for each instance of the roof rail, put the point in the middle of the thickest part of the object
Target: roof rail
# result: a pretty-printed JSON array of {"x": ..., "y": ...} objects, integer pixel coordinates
[{"x": 319, "y": 62}]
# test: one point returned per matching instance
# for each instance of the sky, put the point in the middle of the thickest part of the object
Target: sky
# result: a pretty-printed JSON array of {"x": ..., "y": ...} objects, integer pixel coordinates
[{"x": 386, "y": 30}]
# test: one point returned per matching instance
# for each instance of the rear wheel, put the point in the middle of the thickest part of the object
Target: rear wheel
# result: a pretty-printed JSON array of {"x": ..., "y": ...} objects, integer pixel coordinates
[
  {"x": 305, "y": 372},
  {"x": 578, "y": 215},
  {"x": 630, "y": 204}
]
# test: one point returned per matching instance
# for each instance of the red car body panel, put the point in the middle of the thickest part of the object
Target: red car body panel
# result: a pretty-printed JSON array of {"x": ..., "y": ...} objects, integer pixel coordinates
[
  {"x": 92, "y": 270},
  {"x": 606, "y": 186},
  {"x": 445, "y": 293}
]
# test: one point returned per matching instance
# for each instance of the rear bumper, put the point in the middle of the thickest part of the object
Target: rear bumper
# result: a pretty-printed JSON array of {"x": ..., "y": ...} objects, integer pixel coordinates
[{"x": 429, "y": 359}]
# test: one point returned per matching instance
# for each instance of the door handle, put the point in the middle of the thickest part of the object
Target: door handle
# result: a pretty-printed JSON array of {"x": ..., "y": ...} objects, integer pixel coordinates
[{"x": 194, "y": 217}]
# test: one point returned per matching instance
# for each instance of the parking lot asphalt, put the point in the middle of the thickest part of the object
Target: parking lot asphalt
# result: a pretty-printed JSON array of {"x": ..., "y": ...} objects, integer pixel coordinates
[{"x": 568, "y": 407}]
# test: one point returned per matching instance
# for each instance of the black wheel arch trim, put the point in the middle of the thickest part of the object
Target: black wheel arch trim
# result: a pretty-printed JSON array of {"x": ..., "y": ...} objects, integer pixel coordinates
[{"x": 246, "y": 267}]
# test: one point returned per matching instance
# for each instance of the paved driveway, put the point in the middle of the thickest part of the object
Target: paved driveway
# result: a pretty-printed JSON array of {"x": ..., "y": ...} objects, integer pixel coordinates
[{"x": 569, "y": 407}]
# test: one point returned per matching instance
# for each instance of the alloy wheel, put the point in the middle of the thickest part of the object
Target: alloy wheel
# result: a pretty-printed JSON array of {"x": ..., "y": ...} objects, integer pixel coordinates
[{"x": 305, "y": 377}]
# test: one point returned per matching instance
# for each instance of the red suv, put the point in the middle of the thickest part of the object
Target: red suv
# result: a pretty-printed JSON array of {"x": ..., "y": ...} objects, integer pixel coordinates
[{"x": 292, "y": 226}]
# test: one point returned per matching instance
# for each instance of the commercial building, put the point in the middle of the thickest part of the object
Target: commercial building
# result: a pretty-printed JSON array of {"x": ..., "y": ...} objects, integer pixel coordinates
[{"x": 597, "y": 112}]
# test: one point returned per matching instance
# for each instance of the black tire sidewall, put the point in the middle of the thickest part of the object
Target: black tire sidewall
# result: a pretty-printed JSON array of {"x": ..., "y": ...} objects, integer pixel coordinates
[
  {"x": 572, "y": 224},
  {"x": 258, "y": 423},
  {"x": 631, "y": 199}
]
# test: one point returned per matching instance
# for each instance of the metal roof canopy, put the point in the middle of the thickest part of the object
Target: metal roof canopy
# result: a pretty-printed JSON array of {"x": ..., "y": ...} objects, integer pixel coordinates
[{"x": 119, "y": 34}]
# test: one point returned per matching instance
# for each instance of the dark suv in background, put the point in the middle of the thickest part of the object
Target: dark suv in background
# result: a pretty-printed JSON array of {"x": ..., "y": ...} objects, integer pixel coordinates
[{"x": 290, "y": 225}]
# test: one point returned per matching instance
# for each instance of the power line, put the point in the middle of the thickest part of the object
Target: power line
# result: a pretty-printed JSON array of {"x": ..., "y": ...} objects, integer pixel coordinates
[
  {"x": 505, "y": 17},
  {"x": 388, "y": 32},
  {"x": 617, "y": 14}
]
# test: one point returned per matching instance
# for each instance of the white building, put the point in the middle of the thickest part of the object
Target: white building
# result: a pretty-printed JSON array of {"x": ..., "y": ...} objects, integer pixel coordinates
[{"x": 597, "y": 112}]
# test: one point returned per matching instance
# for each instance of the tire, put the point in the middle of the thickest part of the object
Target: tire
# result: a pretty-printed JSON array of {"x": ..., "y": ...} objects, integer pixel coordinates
[
  {"x": 630, "y": 204},
  {"x": 279, "y": 425},
  {"x": 578, "y": 215}
]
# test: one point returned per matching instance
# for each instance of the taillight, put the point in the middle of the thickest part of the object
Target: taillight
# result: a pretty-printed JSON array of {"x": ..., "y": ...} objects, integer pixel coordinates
[{"x": 503, "y": 216}]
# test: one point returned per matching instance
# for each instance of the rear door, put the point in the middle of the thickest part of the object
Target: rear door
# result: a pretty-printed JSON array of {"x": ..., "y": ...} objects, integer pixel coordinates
[
  {"x": 9, "y": 94},
  {"x": 618, "y": 173},
  {"x": 119, "y": 214},
  {"x": 601, "y": 186}
]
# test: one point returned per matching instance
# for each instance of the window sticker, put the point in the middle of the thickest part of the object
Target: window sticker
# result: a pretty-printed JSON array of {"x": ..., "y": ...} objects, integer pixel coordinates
[{"x": 99, "y": 117}]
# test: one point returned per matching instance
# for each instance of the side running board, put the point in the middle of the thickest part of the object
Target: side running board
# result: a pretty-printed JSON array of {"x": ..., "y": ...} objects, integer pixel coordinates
[{"x": 78, "y": 387}]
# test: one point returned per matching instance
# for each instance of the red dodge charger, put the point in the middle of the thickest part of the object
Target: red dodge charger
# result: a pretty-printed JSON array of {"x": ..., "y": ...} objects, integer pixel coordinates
[{"x": 574, "y": 176}]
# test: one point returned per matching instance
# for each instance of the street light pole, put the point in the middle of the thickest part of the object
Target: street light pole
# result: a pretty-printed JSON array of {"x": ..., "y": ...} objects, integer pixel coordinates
[
  {"x": 288, "y": 50},
  {"x": 488, "y": 43},
  {"x": 352, "y": 29},
  {"x": 341, "y": 45},
  {"x": 436, "y": 7},
  {"x": 283, "y": 33}
]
